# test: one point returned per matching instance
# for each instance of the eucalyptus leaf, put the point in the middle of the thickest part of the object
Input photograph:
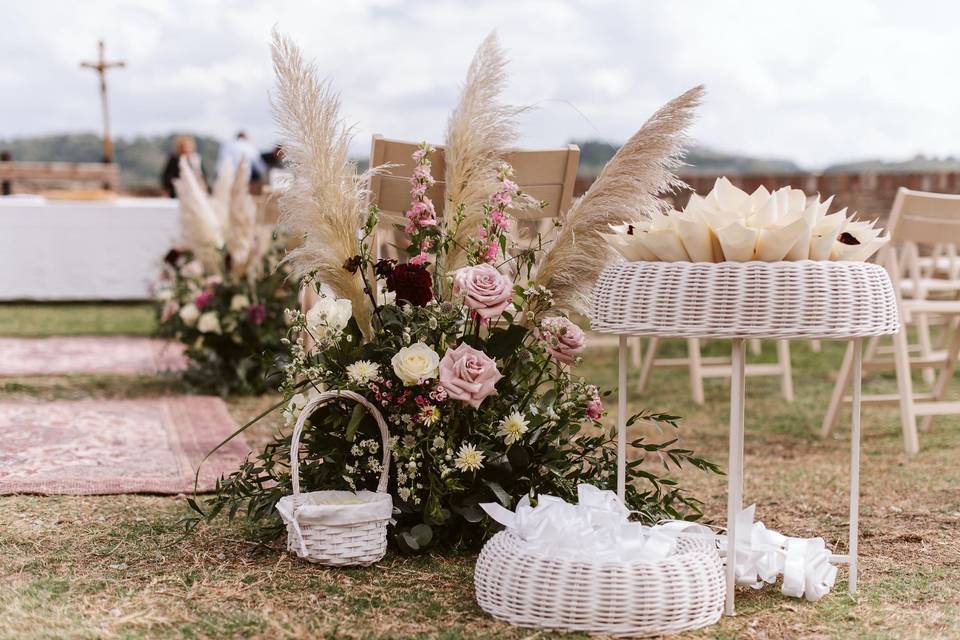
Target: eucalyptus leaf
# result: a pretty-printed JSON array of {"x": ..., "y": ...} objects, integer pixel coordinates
[{"x": 355, "y": 418}]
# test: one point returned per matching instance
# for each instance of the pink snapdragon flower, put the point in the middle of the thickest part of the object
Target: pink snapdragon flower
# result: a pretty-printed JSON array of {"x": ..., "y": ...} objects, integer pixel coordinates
[{"x": 594, "y": 404}]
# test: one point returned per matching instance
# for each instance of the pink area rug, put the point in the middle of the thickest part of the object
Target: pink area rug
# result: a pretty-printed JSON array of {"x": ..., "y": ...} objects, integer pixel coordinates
[
  {"x": 91, "y": 447},
  {"x": 88, "y": 354}
]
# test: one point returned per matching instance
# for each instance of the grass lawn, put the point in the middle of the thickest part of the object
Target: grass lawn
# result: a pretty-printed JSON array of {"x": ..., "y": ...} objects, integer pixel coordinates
[{"x": 105, "y": 567}]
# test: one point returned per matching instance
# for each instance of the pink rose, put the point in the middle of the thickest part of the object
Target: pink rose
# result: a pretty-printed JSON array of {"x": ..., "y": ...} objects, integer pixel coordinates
[
  {"x": 468, "y": 375},
  {"x": 484, "y": 289},
  {"x": 563, "y": 339}
]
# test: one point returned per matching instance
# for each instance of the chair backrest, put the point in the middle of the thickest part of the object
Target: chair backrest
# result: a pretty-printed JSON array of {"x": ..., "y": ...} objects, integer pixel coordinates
[
  {"x": 928, "y": 220},
  {"x": 925, "y": 218},
  {"x": 547, "y": 175}
]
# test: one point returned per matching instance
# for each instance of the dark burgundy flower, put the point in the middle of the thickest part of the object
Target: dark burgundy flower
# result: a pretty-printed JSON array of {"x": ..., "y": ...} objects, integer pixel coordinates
[
  {"x": 412, "y": 283},
  {"x": 172, "y": 257},
  {"x": 256, "y": 314},
  {"x": 384, "y": 268},
  {"x": 204, "y": 298}
]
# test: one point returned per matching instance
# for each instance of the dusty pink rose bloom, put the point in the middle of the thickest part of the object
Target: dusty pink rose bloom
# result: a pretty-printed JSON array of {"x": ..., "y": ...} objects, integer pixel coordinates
[
  {"x": 564, "y": 340},
  {"x": 484, "y": 289},
  {"x": 468, "y": 375}
]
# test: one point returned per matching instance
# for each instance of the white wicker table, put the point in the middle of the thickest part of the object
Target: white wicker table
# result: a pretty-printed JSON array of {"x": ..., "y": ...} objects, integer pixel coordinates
[{"x": 740, "y": 301}]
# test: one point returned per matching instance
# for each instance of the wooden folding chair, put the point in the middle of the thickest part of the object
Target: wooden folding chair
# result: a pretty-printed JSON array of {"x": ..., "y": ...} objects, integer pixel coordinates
[
  {"x": 546, "y": 174},
  {"x": 700, "y": 367},
  {"x": 918, "y": 219}
]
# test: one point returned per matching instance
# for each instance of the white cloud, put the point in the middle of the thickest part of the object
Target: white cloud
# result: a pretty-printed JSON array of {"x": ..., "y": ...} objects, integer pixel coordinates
[{"x": 816, "y": 82}]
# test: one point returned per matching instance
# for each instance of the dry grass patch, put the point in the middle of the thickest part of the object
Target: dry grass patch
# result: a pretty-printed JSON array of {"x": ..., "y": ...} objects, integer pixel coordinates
[{"x": 116, "y": 566}]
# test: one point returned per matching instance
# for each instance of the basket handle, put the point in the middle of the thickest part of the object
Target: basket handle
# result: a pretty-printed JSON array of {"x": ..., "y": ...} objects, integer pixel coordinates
[{"x": 323, "y": 398}]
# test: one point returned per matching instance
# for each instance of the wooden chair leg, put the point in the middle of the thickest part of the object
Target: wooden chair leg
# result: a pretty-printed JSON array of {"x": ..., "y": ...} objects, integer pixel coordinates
[
  {"x": 908, "y": 420},
  {"x": 786, "y": 375},
  {"x": 696, "y": 371},
  {"x": 839, "y": 391},
  {"x": 816, "y": 346},
  {"x": 636, "y": 353},
  {"x": 946, "y": 373},
  {"x": 926, "y": 347},
  {"x": 647, "y": 367},
  {"x": 871, "y": 351},
  {"x": 756, "y": 347}
]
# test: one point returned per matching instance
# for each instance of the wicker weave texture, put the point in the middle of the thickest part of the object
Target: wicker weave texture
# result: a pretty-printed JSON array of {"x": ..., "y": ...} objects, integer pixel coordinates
[
  {"x": 356, "y": 538},
  {"x": 682, "y": 592},
  {"x": 777, "y": 300},
  {"x": 342, "y": 546}
]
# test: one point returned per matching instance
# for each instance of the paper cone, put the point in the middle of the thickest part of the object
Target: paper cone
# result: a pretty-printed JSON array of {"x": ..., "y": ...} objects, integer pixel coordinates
[{"x": 738, "y": 242}]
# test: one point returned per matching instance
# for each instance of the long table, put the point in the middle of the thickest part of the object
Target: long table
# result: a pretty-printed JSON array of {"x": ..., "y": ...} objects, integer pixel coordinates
[{"x": 83, "y": 250}]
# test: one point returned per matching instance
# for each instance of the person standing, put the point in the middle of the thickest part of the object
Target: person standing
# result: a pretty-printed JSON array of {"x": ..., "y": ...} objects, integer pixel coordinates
[
  {"x": 239, "y": 149},
  {"x": 183, "y": 146},
  {"x": 6, "y": 188}
]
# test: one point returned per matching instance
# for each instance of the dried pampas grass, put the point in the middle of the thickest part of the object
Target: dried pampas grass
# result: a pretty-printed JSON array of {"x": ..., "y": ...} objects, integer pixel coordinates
[
  {"x": 240, "y": 230},
  {"x": 626, "y": 190},
  {"x": 325, "y": 203},
  {"x": 199, "y": 223},
  {"x": 479, "y": 133}
]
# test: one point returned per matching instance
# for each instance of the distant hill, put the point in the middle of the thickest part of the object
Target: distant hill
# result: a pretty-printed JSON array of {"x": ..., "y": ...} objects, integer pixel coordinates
[
  {"x": 141, "y": 159},
  {"x": 917, "y": 164},
  {"x": 594, "y": 154}
]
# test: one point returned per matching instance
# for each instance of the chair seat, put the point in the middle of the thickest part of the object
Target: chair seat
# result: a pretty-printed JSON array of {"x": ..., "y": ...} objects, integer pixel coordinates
[{"x": 928, "y": 285}]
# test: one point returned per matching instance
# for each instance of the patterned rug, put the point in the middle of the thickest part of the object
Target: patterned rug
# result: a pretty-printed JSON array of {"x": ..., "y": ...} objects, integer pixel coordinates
[
  {"x": 91, "y": 447},
  {"x": 88, "y": 354}
]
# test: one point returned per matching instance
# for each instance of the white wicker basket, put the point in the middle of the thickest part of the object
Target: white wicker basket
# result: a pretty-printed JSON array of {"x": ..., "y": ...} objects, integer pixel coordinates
[
  {"x": 684, "y": 591},
  {"x": 796, "y": 300},
  {"x": 337, "y": 528}
]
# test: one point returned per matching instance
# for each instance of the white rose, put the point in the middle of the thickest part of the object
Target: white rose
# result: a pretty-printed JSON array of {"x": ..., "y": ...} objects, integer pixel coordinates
[
  {"x": 209, "y": 322},
  {"x": 165, "y": 295},
  {"x": 189, "y": 314},
  {"x": 328, "y": 316},
  {"x": 415, "y": 363},
  {"x": 239, "y": 302}
]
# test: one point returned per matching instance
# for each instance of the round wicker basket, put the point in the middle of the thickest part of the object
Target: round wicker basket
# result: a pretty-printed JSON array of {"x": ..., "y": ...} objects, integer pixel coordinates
[
  {"x": 682, "y": 592},
  {"x": 337, "y": 528},
  {"x": 805, "y": 299}
]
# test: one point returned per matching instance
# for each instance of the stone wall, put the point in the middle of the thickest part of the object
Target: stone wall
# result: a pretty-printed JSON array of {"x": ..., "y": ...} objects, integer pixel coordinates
[{"x": 869, "y": 194}]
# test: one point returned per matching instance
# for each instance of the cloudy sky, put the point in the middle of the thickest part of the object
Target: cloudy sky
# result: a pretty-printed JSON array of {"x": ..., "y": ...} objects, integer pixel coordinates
[{"x": 814, "y": 81}]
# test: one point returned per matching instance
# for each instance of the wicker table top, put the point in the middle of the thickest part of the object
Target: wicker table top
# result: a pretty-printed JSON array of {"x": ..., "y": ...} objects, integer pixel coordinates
[{"x": 773, "y": 300}]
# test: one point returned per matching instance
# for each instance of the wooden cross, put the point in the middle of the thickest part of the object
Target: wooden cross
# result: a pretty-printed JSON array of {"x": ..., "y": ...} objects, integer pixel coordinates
[{"x": 101, "y": 66}]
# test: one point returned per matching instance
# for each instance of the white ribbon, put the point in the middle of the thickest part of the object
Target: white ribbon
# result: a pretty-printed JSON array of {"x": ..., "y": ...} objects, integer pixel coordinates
[{"x": 598, "y": 528}]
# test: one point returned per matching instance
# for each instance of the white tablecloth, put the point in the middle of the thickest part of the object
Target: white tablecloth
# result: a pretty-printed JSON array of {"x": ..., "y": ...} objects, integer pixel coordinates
[{"x": 72, "y": 250}]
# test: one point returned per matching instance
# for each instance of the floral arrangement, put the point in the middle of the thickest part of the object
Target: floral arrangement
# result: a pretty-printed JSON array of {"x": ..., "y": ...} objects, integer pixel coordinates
[
  {"x": 466, "y": 348},
  {"x": 222, "y": 293},
  {"x": 730, "y": 224}
]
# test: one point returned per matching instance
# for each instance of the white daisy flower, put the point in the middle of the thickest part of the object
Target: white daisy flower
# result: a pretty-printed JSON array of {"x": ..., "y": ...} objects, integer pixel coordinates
[
  {"x": 513, "y": 427},
  {"x": 469, "y": 458},
  {"x": 363, "y": 371}
]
